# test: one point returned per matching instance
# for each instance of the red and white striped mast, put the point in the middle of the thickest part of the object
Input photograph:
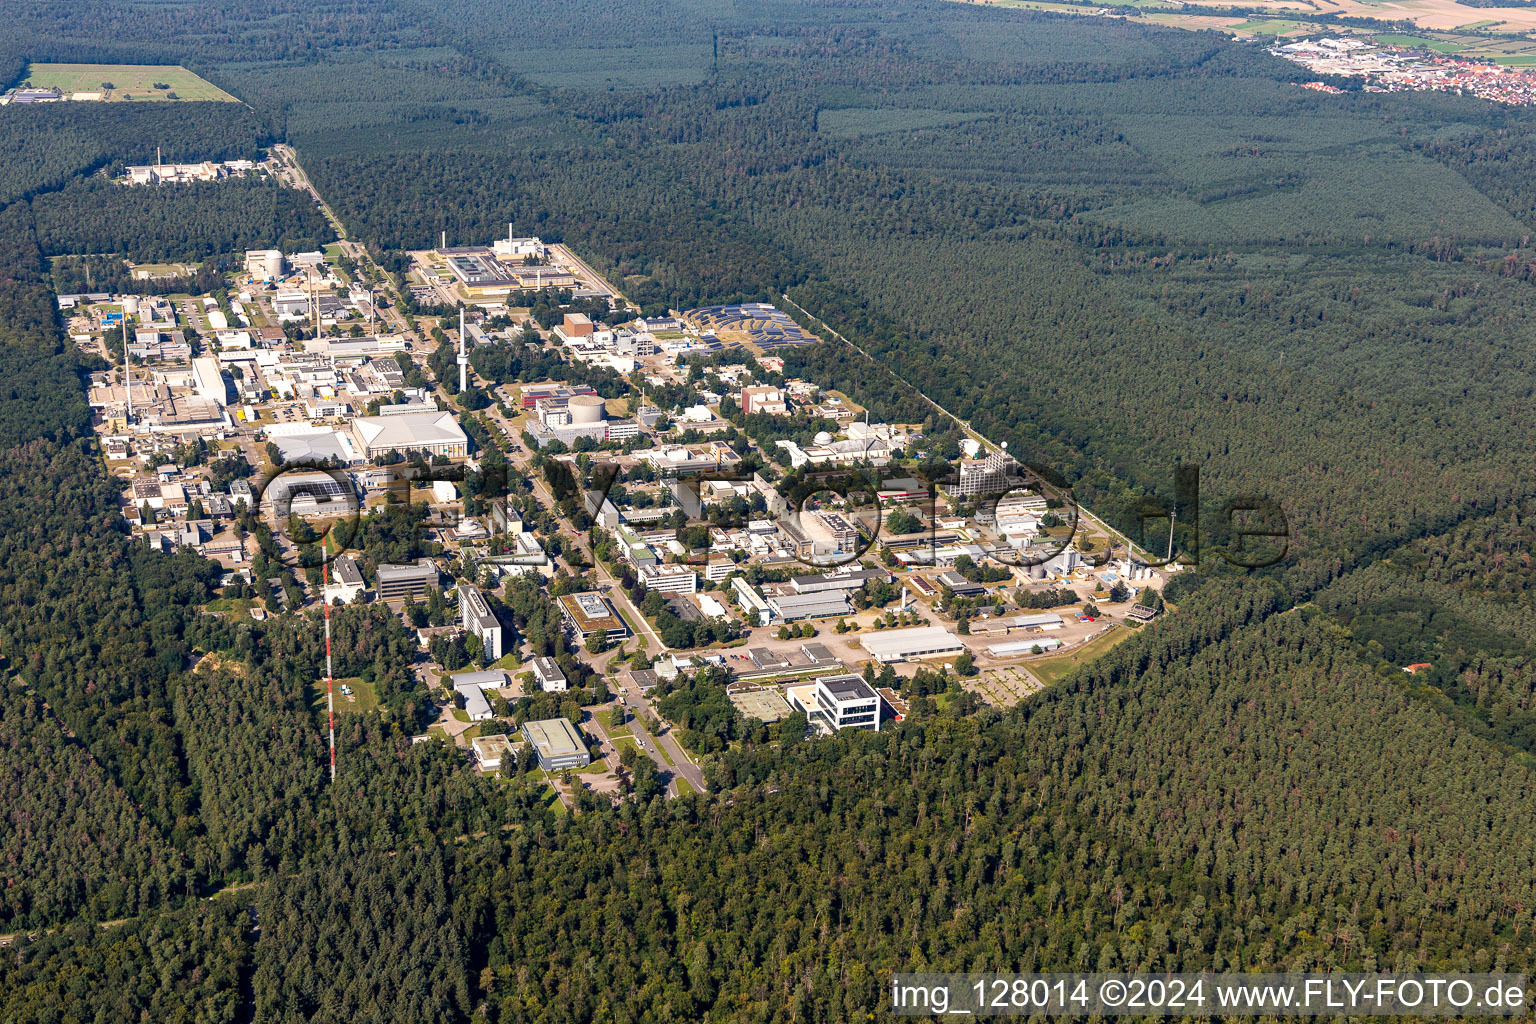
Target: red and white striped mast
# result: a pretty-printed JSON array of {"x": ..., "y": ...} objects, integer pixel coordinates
[{"x": 330, "y": 697}]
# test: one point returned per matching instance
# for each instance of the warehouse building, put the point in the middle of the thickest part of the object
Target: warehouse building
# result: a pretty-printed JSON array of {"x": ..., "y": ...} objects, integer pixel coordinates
[
  {"x": 846, "y": 580},
  {"x": 794, "y": 607},
  {"x": 1030, "y": 646},
  {"x": 472, "y": 686},
  {"x": 896, "y": 645},
  {"x": 557, "y": 743}
]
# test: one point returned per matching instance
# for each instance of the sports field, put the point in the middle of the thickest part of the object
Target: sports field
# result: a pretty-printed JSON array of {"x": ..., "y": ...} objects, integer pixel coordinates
[{"x": 133, "y": 82}]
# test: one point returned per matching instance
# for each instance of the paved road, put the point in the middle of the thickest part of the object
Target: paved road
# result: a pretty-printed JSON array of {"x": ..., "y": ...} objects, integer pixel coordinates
[
  {"x": 565, "y": 256},
  {"x": 615, "y": 591},
  {"x": 682, "y": 764},
  {"x": 293, "y": 172}
]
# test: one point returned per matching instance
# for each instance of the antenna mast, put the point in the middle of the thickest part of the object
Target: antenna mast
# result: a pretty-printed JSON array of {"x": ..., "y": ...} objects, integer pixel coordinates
[
  {"x": 330, "y": 698},
  {"x": 463, "y": 356}
]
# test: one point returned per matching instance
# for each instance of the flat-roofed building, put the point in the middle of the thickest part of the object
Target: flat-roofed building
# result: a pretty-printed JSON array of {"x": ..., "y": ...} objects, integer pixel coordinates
[
  {"x": 209, "y": 377},
  {"x": 750, "y": 601},
  {"x": 793, "y": 607},
  {"x": 961, "y": 586},
  {"x": 844, "y": 580},
  {"x": 591, "y": 613},
  {"x": 895, "y": 645},
  {"x": 1013, "y": 648},
  {"x": 430, "y": 433},
  {"x": 830, "y": 532},
  {"x": 669, "y": 579},
  {"x": 557, "y": 743},
  {"x": 491, "y": 752},
  {"x": 1044, "y": 620},
  {"x": 476, "y": 616},
  {"x": 763, "y": 399},
  {"x": 546, "y": 672},
  {"x": 837, "y": 702},
  {"x": 396, "y": 581}
]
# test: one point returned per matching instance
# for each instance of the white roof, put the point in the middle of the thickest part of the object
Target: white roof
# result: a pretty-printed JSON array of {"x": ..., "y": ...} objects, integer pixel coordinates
[
  {"x": 494, "y": 678},
  {"x": 410, "y": 429},
  {"x": 897, "y": 643}
]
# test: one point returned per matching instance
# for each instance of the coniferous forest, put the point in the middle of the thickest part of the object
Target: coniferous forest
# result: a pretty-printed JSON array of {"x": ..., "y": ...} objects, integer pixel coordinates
[{"x": 1121, "y": 248}]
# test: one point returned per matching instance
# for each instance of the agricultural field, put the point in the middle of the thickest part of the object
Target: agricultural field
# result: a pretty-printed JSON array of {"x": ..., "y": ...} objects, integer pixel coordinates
[{"x": 126, "y": 82}]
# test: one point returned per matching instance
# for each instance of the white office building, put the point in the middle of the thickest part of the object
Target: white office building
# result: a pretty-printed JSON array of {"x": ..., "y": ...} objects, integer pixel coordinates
[
  {"x": 669, "y": 579},
  {"x": 479, "y": 620},
  {"x": 838, "y": 702}
]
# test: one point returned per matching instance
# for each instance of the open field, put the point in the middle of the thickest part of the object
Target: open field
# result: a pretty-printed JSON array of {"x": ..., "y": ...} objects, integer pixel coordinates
[
  {"x": 128, "y": 81},
  {"x": 364, "y": 696},
  {"x": 1052, "y": 670},
  {"x": 1445, "y": 21}
]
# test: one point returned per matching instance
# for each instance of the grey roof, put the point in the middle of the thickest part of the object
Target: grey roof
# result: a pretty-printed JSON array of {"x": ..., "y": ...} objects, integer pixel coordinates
[
  {"x": 546, "y": 669},
  {"x": 393, "y": 573},
  {"x": 847, "y": 687},
  {"x": 347, "y": 572},
  {"x": 494, "y": 678}
]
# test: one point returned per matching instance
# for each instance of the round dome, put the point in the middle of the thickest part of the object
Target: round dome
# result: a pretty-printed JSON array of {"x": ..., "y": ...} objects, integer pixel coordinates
[
  {"x": 586, "y": 409},
  {"x": 130, "y": 304},
  {"x": 822, "y": 437}
]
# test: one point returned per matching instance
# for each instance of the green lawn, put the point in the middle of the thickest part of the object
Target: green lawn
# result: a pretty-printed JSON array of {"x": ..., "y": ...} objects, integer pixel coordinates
[
  {"x": 129, "y": 81},
  {"x": 1053, "y": 670},
  {"x": 365, "y": 695},
  {"x": 684, "y": 788}
]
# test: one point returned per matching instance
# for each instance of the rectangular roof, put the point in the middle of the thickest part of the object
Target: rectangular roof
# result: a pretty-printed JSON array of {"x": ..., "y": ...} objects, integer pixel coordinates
[
  {"x": 391, "y": 573},
  {"x": 847, "y": 687},
  {"x": 555, "y": 737},
  {"x": 494, "y": 678},
  {"x": 406, "y": 430},
  {"x": 897, "y": 643}
]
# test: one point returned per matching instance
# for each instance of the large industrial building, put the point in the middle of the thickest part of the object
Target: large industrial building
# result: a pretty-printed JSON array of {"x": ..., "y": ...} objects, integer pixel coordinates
[
  {"x": 265, "y": 264},
  {"x": 430, "y": 433},
  {"x": 895, "y": 645},
  {"x": 794, "y": 607},
  {"x": 209, "y": 377},
  {"x": 478, "y": 619},
  {"x": 557, "y": 743}
]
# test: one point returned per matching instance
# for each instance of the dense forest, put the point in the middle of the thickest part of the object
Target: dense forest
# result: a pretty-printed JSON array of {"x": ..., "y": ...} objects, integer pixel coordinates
[
  {"x": 177, "y": 222},
  {"x": 1119, "y": 247}
]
